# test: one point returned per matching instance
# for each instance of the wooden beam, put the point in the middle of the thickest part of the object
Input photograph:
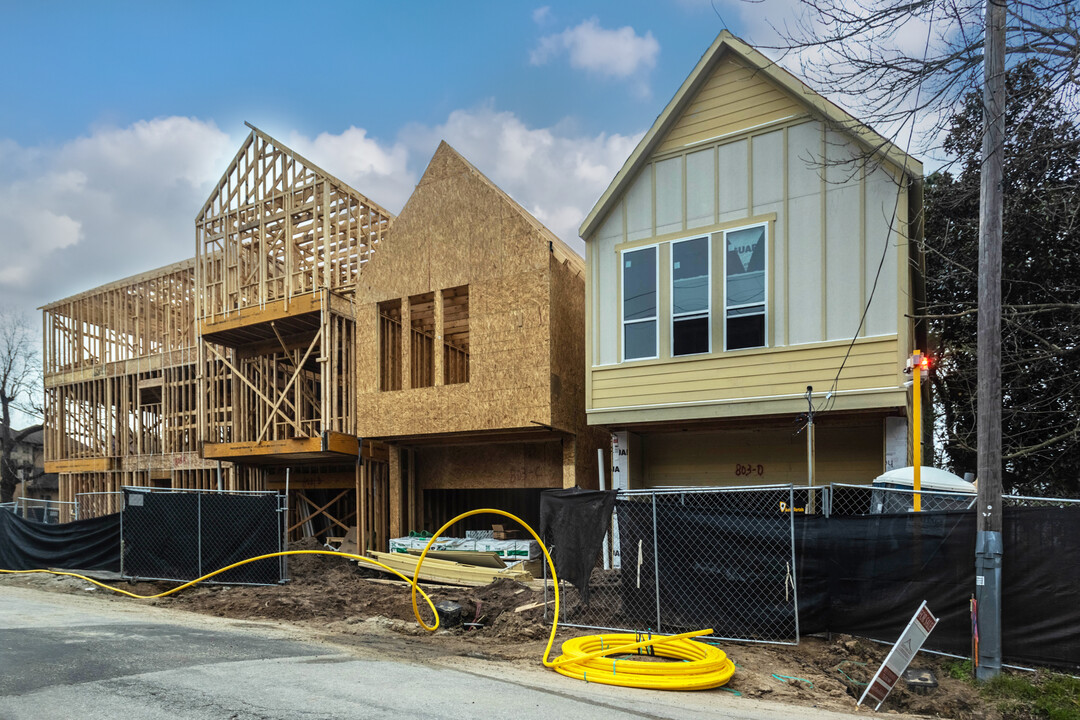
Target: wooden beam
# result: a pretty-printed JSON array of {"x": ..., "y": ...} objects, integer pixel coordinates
[
  {"x": 79, "y": 465},
  {"x": 255, "y": 315}
]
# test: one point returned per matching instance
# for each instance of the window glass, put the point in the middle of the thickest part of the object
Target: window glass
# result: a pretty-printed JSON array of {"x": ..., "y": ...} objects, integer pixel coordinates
[
  {"x": 639, "y": 284},
  {"x": 639, "y": 340},
  {"x": 745, "y": 266},
  {"x": 639, "y": 303},
  {"x": 744, "y": 291},
  {"x": 690, "y": 276},
  {"x": 690, "y": 336},
  {"x": 690, "y": 296}
]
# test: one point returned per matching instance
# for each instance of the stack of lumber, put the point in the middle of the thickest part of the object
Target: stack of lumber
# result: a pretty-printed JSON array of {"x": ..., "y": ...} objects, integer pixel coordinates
[
  {"x": 479, "y": 558},
  {"x": 446, "y": 571}
]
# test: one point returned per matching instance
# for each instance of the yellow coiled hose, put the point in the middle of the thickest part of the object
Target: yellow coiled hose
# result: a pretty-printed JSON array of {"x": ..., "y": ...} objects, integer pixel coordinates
[{"x": 586, "y": 658}]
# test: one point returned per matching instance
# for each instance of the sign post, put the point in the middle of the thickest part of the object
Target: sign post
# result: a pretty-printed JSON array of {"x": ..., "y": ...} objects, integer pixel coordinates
[{"x": 900, "y": 656}]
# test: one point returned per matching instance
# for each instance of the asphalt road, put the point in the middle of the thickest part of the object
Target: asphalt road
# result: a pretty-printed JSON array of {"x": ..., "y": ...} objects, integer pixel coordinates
[{"x": 73, "y": 656}]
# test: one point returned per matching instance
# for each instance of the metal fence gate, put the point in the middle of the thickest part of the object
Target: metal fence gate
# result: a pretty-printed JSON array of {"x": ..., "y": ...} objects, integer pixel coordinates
[
  {"x": 180, "y": 535},
  {"x": 687, "y": 559}
]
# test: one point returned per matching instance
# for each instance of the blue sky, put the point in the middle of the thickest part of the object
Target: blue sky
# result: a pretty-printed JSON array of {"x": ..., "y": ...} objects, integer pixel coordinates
[
  {"x": 323, "y": 67},
  {"x": 119, "y": 116}
]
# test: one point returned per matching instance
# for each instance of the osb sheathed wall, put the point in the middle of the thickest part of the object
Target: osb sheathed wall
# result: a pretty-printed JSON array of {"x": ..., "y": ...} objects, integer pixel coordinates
[
  {"x": 525, "y": 341},
  {"x": 276, "y": 226},
  {"x": 459, "y": 230}
]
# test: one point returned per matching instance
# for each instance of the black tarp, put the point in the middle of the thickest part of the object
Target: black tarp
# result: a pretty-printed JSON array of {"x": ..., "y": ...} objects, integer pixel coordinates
[
  {"x": 1041, "y": 584},
  {"x": 573, "y": 523},
  {"x": 181, "y": 536},
  {"x": 92, "y": 544},
  {"x": 862, "y": 575},
  {"x": 866, "y": 575}
]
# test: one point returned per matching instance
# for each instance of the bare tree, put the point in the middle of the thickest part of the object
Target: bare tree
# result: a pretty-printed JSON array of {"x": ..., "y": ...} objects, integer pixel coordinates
[
  {"x": 20, "y": 390},
  {"x": 893, "y": 60}
]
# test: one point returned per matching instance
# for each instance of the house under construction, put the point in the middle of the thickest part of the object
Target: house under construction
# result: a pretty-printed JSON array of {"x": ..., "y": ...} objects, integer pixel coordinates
[{"x": 388, "y": 369}]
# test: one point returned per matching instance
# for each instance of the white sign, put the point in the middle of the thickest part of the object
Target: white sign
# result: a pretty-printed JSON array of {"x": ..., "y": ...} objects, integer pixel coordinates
[{"x": 900, "y": 656}]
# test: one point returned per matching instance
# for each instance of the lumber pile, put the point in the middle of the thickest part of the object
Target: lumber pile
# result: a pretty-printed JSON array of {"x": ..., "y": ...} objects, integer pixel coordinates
[{"x": 446, "y": 571}]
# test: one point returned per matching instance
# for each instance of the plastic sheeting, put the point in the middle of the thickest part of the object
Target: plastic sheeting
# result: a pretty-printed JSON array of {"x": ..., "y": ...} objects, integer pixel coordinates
[
  {"x": 92, "y": 544},
  {"x": 573, "y": 523}
]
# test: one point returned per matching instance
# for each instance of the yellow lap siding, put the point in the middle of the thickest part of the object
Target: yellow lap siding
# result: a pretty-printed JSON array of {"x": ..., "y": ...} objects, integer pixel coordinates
[
  {"x": 780, "y": 371},
  {"x": 733, "y": 98}
]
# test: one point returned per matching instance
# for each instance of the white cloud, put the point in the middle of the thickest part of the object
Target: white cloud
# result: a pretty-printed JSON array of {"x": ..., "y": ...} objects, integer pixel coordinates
[
  {"x": 379, "y": 172},
  {"x": 120, "y": 201},
  {"x": 541, "y": 14},
  {"x": 553, "y": 173},
  {"x": 621, "y": 53},
  {"x": 114, "y": 202}
]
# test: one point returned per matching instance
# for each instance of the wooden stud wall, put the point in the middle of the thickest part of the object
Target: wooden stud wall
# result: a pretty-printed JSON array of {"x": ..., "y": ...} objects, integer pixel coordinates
[
  {"x": 299, "y": 390},
  {"x": 146, "y": 315},
  {"x": 390, "y": 345},
  {"x": 277, "y": 226}
]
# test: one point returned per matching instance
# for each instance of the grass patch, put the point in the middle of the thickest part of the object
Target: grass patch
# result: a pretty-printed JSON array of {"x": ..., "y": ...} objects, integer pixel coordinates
[
  {"x": 1044, "y": 696},
  {"x": 959, "y": 670}
]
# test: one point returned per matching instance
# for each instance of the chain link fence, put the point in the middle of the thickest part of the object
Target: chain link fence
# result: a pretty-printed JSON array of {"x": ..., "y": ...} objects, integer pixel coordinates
[
  {"x": 51, "y": 512},
  {"x": 686, "y": 559},
  {"x": 96, "y": 504},
  {"x": 871, "y": 500},
  {"x": 1038, "y": 502},
  {"x": 182, "y": 535}
]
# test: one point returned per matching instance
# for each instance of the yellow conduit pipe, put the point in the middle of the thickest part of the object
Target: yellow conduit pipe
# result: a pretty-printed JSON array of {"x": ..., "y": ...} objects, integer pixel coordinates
[
  {"x": 268, "y": 556},
  {"x": 585, "y": 658}
]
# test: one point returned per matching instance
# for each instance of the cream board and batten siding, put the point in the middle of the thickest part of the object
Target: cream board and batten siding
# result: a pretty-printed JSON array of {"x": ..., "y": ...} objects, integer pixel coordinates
[{"x": 827, "y": 230}]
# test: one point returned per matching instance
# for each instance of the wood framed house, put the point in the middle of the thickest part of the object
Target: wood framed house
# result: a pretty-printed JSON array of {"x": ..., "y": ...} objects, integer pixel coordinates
[
  {"x": 471, "y": 328},
  {"x": 758, "y": 241},
  {"x": 391, "y": 372}
]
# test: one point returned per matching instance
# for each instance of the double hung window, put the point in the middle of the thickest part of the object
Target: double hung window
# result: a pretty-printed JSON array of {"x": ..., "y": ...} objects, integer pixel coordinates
[
  {"x": 690, "y": 333},
  {"x": 640, "y": 304},
  {"x": 744, "y": 287}
]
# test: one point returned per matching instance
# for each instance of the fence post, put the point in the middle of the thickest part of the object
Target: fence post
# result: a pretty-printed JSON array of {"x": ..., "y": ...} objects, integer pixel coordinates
[
  {"x": 198, "y": 533},
  {"x": 122, "y": 537},
  {"x": 794, "y": 566},
  {"x": 656, "y": 563}
]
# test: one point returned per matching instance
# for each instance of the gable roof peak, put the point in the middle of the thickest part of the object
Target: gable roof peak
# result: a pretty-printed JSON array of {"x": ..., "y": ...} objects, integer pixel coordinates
[
  {"x": 561, "y": 250},
  {"x": 726, "y": 42}
]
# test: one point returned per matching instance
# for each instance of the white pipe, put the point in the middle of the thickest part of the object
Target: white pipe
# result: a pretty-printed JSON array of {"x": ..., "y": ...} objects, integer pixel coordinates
[{"x": 603, "y": 486}]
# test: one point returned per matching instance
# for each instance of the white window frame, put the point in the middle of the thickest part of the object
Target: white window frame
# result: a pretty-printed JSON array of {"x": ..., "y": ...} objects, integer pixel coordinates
[
  {"x": 707, "y": 312},
  {"x": 765, "y": 270},
  {"x": 622, "y": 306}
]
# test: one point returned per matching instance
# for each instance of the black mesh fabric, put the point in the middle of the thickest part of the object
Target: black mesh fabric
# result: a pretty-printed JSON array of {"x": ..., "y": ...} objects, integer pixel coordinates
[
  {"x": 182, "y": 536},
  {"x": 92, "y": 544},
  {"x": 573, "y": 523}
]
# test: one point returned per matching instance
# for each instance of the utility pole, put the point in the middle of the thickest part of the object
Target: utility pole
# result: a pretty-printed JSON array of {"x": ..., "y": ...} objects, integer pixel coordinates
[
  {"x": 810, "y": 504},
  {"x": 988, "y": 544}
]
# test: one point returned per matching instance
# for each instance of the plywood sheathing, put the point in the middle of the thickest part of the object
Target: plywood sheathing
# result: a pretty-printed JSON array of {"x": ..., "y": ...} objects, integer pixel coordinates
[{"x": 459, "y": 230}]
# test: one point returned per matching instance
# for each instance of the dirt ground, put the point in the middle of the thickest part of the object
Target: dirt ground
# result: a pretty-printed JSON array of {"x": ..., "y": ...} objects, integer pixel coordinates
[{"x": 338, "y": 602}]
